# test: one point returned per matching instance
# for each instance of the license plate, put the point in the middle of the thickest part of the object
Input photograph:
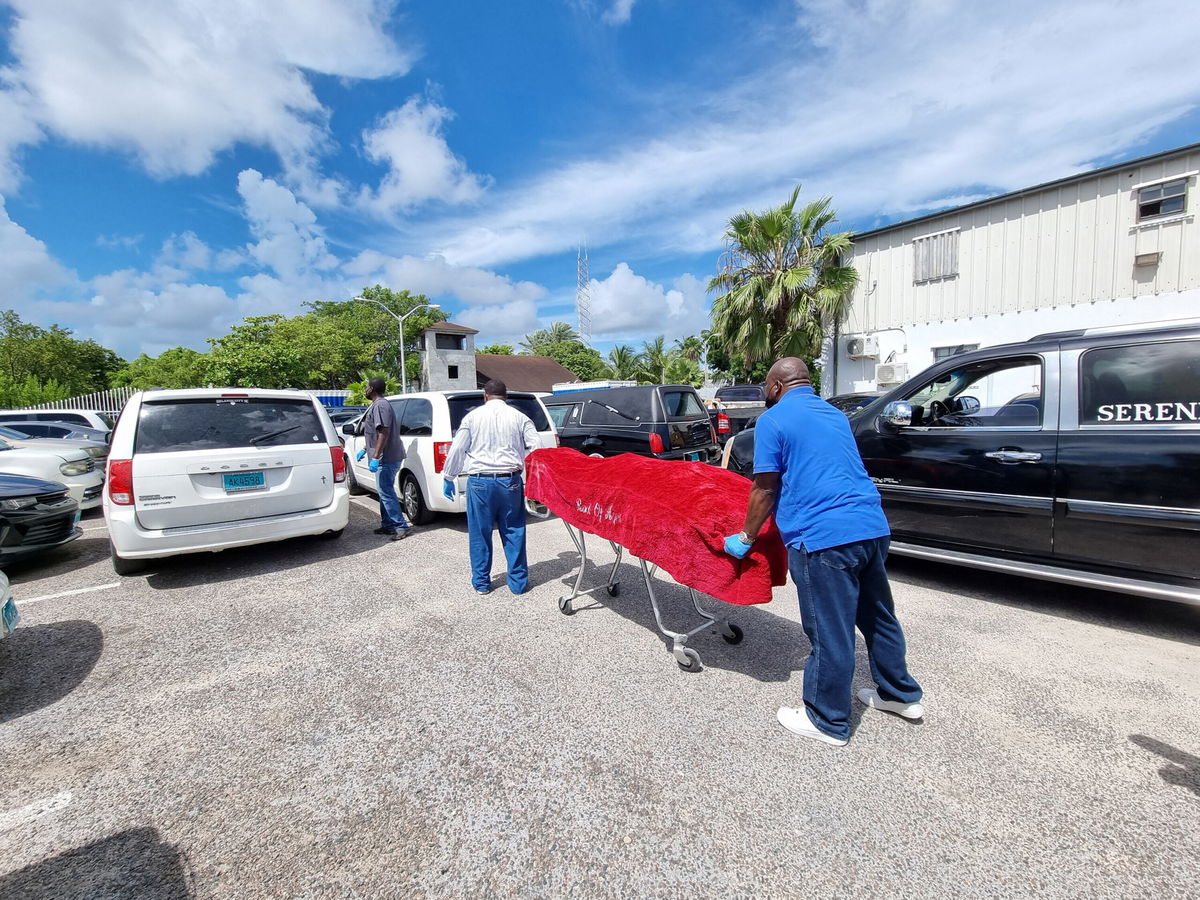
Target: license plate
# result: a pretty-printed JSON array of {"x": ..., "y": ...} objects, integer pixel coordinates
[
  {"x": 692, "y": 456},
  {"x": 244, "y": 481}
]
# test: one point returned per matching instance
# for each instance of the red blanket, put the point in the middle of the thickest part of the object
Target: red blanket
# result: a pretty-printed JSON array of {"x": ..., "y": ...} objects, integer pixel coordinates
[{"x": 671, "y": 513}]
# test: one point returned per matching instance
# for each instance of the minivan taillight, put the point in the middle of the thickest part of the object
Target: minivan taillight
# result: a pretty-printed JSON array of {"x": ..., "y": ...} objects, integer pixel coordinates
[
  {"x": 441, "y": 449},
  {"x": 120, "y": 481},
  {"x": 722, "y": 423},
  {"x": 656, "y": 444},
  {"x": 339, "y": 464}
]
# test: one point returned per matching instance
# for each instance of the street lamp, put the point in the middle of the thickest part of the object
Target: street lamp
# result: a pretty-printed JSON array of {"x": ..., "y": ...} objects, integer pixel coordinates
[{"x": 400, "y": 319}]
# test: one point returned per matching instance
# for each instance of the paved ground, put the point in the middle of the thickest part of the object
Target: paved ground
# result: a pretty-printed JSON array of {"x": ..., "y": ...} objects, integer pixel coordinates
[{"x": 345, "y": 718}]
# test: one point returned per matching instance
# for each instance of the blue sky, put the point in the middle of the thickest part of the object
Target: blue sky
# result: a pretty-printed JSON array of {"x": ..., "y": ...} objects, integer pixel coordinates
[{"x": 168, "y": 168}]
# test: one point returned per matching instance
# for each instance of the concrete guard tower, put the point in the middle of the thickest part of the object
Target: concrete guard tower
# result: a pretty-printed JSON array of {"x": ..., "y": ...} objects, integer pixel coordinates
[{"x": 448, "y": 357}]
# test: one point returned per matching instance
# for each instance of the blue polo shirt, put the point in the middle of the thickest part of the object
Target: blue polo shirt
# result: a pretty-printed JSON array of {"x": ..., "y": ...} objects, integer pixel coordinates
[{"x": 826, "y": 498}]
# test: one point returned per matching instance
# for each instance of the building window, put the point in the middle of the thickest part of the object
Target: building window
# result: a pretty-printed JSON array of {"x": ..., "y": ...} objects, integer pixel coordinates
[
  {"x": 935, "y": 257},
  {"x": 448, "y": 341},
  {"x": 940, "y": 353},
  {"x": 1166, "y": 199},
  {"x": 452, "y": 372}
]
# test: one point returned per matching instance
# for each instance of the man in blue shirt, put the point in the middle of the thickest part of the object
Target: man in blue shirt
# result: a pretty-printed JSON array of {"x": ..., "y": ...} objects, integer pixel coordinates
[{"x": 809, "y": 474}]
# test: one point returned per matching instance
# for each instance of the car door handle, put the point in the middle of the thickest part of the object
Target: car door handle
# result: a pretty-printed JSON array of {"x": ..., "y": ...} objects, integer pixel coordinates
[{"x": 1015, "y": 456}]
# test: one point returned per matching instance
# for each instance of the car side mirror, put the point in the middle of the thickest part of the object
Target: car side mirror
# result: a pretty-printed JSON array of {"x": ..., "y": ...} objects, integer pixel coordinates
[
  {"x": 348, "y": 429},
  {"x": 898, "y": 413},
  {"x": 964, "y": 406}
]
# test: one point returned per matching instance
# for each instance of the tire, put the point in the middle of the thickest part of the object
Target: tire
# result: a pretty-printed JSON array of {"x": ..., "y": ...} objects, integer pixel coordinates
[
  {"x": 614, "y": 589},
  {"x": 356, "y": 489},
  {"x": 692, "y": 663},
  {"x": 734, "y": 636},
  {"x": 412, "y": 501},
  {"x": 123, "y": 566},
  {"x": 564, "y": 606}
]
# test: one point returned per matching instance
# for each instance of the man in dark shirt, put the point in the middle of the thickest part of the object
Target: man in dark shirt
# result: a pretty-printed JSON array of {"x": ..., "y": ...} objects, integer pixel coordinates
[
  {"x": 382, "y": 443},
  {"x": 809, "y": 474}
]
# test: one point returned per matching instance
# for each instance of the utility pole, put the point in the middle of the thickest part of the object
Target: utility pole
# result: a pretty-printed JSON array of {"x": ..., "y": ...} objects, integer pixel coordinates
[{"x": 583, "y": 297}]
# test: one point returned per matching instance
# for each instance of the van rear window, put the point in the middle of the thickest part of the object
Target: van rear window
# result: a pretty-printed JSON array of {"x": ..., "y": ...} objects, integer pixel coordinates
[
  {"x": 460, "y": 406},
  {"x": 218, "y": 423}
]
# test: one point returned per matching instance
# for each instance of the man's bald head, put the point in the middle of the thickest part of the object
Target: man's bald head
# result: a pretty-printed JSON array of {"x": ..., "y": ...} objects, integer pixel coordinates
[{"x": 787, "y": 373}]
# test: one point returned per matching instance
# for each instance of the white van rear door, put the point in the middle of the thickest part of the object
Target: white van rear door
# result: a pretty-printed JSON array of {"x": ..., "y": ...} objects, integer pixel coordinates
[{"x": 229, "y": 459}]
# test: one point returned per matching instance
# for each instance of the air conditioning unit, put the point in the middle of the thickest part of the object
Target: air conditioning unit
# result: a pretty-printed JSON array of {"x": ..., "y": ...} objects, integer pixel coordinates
[
  {"x": 862, "y": 347},
  {"x": 887, "y": 374}
]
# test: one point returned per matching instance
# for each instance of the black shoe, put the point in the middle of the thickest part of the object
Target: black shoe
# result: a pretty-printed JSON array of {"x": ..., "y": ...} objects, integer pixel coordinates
[
  {"x": 385, "y": 531},
  {"x": 401, "y": 533}
]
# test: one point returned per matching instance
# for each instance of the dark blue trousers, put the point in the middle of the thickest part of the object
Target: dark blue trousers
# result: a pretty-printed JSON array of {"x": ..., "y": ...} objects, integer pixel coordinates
[
  {"x": 497, "y": 503},
  {"x": 839, "y": 588}
]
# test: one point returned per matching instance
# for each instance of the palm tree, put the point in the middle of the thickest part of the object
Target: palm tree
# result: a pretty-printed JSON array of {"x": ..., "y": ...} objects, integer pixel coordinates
[
  {"x": 690, "y": 347},
  {"x": 623, "y": 363},
  {"x": 652, "y": 361},
  {"x": 557, "y": 333},
  {"x": 681, "y": 370},
  {"x": 561, "y": 331},
  {"x": 781, "y": 281}
]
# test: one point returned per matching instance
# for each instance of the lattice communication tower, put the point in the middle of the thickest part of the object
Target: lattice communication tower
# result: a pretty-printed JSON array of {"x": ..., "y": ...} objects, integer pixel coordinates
[{"x": 583, "y": 298}]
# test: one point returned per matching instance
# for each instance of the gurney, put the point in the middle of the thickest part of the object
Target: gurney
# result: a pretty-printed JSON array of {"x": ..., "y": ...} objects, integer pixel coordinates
[{"x": 667, "y": 514}]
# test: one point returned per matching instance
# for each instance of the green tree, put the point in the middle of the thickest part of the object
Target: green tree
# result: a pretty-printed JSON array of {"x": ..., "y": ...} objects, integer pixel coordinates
[
  {"x": 623, "y": 362},
  {"x": 498, "y": 349},
  {"x": 585, "y": 362},
  {"x": 558, "y": 333},
  {"x": 253, "y": 355},
  {"x": 652, "y": 361},
  {"x": 781, "y": 281},
  {"x": 690, "y": 348},
  {"x": 358, "y": 389},
  {"x": 179, "y": 367},
  {"x": 681, "y": 370},
  {"x": 53, "y": 355}
]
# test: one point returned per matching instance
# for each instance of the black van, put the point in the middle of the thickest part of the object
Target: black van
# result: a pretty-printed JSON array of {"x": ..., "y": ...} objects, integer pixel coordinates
[
  {"x": 663, "y": 421},
  {"x": 1073, "y": 457}
]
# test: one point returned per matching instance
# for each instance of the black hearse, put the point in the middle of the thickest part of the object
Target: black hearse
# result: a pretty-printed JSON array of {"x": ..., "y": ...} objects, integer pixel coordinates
[
  {"x": 663, "y": 421},
  {"x": 1073, "y": 457}
]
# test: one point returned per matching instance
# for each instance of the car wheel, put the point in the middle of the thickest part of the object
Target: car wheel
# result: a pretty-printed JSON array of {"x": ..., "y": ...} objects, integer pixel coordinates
[
  {"x": 123, "y": 566},
  {"x": 414, "y": 504},
  {"x": 355, "y": 487}
]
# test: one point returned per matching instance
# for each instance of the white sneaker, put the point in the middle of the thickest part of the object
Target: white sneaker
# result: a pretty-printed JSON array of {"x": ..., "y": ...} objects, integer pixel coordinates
[
  {"x": 797, "y": 722},
  {"x": 870, "y": 697}
]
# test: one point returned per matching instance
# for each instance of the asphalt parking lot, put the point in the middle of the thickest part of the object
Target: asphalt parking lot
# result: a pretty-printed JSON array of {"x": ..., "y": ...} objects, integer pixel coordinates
[{"x": 347, "y": 718}]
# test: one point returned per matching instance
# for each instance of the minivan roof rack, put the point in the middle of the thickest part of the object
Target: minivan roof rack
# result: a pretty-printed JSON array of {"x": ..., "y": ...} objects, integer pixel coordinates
[{"x": 1116, "y": 329}]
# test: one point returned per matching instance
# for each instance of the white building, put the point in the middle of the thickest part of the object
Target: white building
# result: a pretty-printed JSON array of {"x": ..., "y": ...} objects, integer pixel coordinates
[{"x": 1118, "y": 245}]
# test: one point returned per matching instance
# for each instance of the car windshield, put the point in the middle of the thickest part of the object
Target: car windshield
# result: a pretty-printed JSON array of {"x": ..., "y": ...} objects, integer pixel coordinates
[
  {"x": 460, "y": 406},
  {"x": 12, "y": 434},
  {"x": 740, "y": 394},
  {"x": 215, "y": 423}
]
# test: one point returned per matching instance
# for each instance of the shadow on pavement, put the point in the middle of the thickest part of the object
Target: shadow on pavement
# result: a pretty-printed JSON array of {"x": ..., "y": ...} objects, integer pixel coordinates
[
  {"x": 773, "y": 647},
  {"x": 1141, "y": 615},
  {"x": 41, "y": 664},
  {"x": 132, "y": 864},
  {"x": 1183, "y": 769}
]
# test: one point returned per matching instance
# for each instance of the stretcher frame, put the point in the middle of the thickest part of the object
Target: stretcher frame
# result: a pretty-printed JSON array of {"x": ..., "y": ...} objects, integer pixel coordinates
[{"x": 687, "y": 658}]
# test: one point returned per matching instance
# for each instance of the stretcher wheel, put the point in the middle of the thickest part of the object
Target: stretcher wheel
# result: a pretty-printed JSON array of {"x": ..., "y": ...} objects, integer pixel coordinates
[
  {"x": 688, "y": 659},
  {"x": 564, "y": 606},
  {"x": 732, "y": 634},
  {"x": 614, "y": 589}
]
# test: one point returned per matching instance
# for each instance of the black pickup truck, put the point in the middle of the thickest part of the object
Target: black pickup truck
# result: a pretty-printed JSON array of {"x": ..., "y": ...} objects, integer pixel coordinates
[
  {"x": 736, "y": 406},
  {"x": 1073, "y": 457}
]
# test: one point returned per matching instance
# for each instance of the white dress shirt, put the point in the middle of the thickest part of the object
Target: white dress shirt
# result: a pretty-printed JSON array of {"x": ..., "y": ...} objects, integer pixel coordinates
[{"x": 495, "y": 437}]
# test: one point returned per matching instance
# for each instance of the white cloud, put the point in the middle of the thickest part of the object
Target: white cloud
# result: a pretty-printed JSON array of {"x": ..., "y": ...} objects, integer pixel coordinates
[
  {"x": 289, "y": 240},
  {"x": 20, "y": 128},
  {"x": 619, "y": 12},
  {"x": 898, "y": 105},
  {"x": 505, "y": 323},
  {"x": 625, "y": 305},
  {"x": 177, "y": 83},
  {"x": 421, "y": 166},
  {"x": 27, "y": 269},
  {"x": 435, "y": 277}
]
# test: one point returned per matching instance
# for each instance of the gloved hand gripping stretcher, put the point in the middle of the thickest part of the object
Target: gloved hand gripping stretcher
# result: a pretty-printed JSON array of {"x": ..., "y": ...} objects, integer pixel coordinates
[{"x": 669, "y": 514}]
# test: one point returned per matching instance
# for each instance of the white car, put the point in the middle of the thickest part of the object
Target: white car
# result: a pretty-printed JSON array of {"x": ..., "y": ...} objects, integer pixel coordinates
[
  {"x": 97, "y": 450},
  {"x": 209, "y": 469},
  {"x": 427, "y": 424},
  {"x": 89, "y": 418},
  {"x": 69, "y": 466}
]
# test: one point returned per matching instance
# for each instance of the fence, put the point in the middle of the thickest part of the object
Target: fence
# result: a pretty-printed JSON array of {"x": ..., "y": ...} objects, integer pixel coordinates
[{"x": 113, "y": 400}]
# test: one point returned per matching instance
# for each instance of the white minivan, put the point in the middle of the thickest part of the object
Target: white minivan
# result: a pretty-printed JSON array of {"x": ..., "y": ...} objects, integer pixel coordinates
[
  {"x": 209, "y": 469},
  {"x": 427, "y": 424}
]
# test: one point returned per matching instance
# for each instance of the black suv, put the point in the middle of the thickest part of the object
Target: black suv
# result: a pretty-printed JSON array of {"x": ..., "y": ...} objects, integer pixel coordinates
[
  {"x": 663, "y": 421},
  {"x": 1073, "y": 457}
]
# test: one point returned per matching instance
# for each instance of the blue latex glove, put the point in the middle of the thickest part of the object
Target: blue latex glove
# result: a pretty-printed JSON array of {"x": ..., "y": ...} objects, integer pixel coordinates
[
  {"x": 361, "y": 454},
  {"x": 373, "y": 465},
  {"x": 447, "y": 488},
  {"x": 734, "y": 546}
]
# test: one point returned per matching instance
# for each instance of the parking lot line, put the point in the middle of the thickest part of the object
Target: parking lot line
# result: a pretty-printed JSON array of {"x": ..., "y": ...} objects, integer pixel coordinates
[
  {"x": 86, "y": 590},
  {"x": 12, "y": 818}
]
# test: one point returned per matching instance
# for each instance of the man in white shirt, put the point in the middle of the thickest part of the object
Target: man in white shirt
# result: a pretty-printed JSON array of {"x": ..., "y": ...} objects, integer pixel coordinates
[{"x": 490, "y": 446}]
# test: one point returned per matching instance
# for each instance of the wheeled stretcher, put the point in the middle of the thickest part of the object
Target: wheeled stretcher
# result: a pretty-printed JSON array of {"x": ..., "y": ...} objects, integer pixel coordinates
[{"x": 666, "y": 514}]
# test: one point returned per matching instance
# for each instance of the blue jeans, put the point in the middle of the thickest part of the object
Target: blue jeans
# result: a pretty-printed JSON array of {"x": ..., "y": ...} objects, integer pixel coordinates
[
  {"x": 497, "y": 503},
  {"x": 841, "y": 587},
  {"x": 390, "y": 514}
]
